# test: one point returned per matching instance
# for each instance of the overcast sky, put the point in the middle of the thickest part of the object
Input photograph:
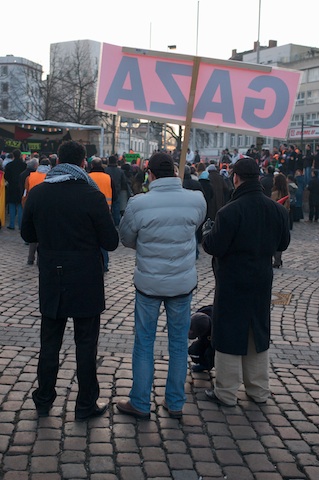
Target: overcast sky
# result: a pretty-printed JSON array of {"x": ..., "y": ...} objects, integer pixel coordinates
[{"x": 28, "y": 29}]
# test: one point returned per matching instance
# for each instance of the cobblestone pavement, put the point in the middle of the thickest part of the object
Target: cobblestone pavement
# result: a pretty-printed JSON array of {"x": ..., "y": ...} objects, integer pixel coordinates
[{"x": 248, "y": 442}]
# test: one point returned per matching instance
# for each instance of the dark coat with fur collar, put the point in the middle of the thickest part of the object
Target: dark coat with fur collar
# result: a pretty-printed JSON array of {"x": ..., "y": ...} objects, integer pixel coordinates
[
  {"x": 71, "y": 222},
  {"x": 246, "y": 234}
]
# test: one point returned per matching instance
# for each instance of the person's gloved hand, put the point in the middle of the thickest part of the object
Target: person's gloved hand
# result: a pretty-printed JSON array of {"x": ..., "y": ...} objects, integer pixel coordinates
[{"x": 207, "y": 226}]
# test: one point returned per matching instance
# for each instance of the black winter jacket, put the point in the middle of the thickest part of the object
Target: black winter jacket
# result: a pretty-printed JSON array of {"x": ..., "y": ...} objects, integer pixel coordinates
[
  {"x": 71, "y": 222},
  {"x": 246, "y": 234}
]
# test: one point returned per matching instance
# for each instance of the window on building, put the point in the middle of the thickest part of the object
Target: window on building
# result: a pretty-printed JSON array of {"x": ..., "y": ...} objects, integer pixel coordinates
[
  {"x": 240, "y": 140},
  {"x": 233, "y": 140},
  {"x": 4, "y": 70},
  {"x": 313, "y": 74},
  {"x": 304, "y": 76},
  {"x": 4, "y": 104},
  {"x": 301, "y": 98},
  {"x": 313, "y": 96},
  {"x": 4, "y": 87},
  {"x": 220, "y": 140}
]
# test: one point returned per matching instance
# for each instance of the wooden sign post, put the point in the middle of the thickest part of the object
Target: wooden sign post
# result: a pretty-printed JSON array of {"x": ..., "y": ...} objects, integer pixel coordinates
[{"x": 189, "y": 114}]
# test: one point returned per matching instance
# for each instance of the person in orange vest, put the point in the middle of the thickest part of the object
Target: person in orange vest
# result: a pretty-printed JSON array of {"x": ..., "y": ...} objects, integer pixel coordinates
[
  {"x": 105, "y": 184},
  {"x": 31, "y": 181}
]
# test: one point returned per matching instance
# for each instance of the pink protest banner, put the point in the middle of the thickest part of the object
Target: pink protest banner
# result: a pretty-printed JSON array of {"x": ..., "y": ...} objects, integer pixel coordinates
[{"x": 229, "y": 95}]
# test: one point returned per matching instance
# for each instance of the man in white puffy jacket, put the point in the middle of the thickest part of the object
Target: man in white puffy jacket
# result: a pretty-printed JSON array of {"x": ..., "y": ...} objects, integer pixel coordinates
[{"x": 160, "y": 225}]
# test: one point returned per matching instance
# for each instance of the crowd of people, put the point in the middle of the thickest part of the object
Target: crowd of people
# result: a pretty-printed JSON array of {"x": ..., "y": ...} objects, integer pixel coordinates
[
  {"x": 285, "y": 172},
  {"x": 72, "y": 211}
]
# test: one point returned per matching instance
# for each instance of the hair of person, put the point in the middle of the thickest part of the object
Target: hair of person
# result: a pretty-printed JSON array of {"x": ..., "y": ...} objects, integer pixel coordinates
[
  {"x": 33, "y": 162},
  {"x": 53, "y": 159},
  {"x": 112, "y": 160},
  {"x": 71, "y": 152},
  {"x": 161, "y": 165},
  {"x": 201, "y": 167},
  {"x": 45, "y": 161},
  {"x": 16, "y": 154},
  {"x": 315, "y": 172},
  {"x": 281, "y": 184},
  {"x": 96, "y": 162},
  {"x": 270, "y": 169}
]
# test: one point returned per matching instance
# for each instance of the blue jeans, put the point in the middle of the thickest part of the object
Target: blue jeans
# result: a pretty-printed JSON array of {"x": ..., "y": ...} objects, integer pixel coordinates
[
  {"x": 116, "y": 212},
  {"x": 13, "y": 209},
  {"x": 178, "y": 312},
  {"x": 307, "y": 175},
  {"x": 105, "y": 254}
]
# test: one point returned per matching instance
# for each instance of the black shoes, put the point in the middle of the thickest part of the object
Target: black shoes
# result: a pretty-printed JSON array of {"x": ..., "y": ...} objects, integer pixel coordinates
[
  {"x": 277, "y": 265},
  {"x": 97, "y": 412},
  {"x": 43, "y": 411}
]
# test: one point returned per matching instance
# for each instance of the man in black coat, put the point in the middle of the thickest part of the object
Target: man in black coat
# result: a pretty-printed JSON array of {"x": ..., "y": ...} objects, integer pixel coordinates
[
  {"x": 69, "y": 218},
  {"x": 12, "y": 174},
  {"x": 313, "y": 188},
  {"x": 118, "y": 178},
  {"x": 246, "y": 234},
  {"x": 219, "y": 188},
  {"x": 267, "y": 180}
]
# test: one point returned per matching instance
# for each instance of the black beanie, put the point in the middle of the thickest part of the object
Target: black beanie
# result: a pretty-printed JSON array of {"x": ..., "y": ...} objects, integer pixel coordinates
[{"x": 246, "y": 169}]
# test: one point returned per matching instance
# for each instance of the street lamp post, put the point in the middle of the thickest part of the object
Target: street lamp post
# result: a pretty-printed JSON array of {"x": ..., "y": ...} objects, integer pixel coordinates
[
  {"x": 258, "y": 39},
  {"x": 197, "y": 28},
  {"x": 169, "y": 47},
  {"x": 129, "y": 124}
]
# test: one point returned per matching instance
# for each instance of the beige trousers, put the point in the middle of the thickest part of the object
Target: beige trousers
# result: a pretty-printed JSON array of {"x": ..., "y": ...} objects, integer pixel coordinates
[{"x": 233, "y": 370}]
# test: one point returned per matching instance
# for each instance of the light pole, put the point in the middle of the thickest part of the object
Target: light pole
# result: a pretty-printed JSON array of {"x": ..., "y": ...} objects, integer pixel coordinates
[
  {"x": 128, "y": 124},
  {"x": 197, "y": 32},
  {"x": 169, "y": 47},
  {"x": 258, "y": 39},
  {"x": 197, "y": 28}
]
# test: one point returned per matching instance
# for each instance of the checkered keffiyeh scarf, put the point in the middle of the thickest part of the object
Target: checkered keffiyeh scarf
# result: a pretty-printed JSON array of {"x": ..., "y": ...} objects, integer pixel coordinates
[{"x": 67, "y": 171}]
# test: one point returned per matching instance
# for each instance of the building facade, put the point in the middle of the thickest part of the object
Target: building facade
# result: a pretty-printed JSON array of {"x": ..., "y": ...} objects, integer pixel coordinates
[
  {"x": 304, "y": 125},
  {"x": 20, "y": 88}
]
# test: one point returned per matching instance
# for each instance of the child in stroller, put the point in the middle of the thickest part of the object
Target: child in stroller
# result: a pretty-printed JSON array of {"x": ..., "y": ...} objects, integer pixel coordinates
[{"x": 201, "y": 350}]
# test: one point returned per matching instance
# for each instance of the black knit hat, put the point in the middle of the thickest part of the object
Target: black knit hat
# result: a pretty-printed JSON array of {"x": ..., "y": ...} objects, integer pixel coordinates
[
  {"x": 162, "y": 165},
  {"x": 200, "y": 325},
  {"x": 246, "y": 169}
]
